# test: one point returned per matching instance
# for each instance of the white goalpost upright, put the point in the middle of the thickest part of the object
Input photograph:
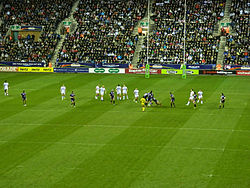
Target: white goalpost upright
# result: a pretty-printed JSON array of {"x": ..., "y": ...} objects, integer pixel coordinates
[
  {"x": 147, "y": 64},
  {"x": 184, "y": 44}
]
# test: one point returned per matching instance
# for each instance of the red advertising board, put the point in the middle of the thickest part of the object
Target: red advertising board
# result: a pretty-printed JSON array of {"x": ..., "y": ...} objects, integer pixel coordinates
[
  {"x": 8, "y": 69},
  {"x": 142, "y": 71},
  {"x": 243, "y": 73}
]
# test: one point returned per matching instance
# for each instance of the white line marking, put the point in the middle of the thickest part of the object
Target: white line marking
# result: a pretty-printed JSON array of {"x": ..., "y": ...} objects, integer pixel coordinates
[{"x": 125, "y": 145}]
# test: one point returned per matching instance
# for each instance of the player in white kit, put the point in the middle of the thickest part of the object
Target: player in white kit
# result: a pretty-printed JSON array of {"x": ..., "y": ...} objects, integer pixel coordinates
[
  {"x": 200, "y": 97},
  {"x": 191, "y": 97},
  {"x": 97, "y": 91},
  {"x": 63, "y": 91},
  {"x": 6, "y": 87},
  {"x": 102, "y": 92},
  {"x": 125, "y": 92},
  {"x": 136, "y": 93},
  {"x": 118, "y": 92}
]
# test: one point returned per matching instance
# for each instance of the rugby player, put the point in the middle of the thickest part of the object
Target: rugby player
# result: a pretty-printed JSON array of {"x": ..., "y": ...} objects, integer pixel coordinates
[
  {"x": 150, "y": 98},
  {"x": 136, "y": 93},
  {"x": 112, "y": 97},
  {"x": 118, "y": 92},
  {"x": 125, "y": 92},
  {"x": 143, "y": 101},
  {"x": 191, "y": 97},
  {"x": 97, "y": 91},
  {"x": 200, "y": 97},
  {"x": 24, "y": 98},
  {"x": 222, "y": 100},
  {"x": 63, "y": 91},
  {"x": 194, "y": 100},
  {"x": 6, "y": 88},
  {"x": 172, "y": 99},
  {"x": 102, "y": 92},
  {"x": 72, "y": 98},
  {"x": 156, "y": 101}
]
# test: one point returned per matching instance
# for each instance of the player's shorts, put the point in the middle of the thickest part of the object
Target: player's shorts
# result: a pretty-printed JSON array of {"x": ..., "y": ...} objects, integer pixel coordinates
[
  {"x": 125, "y": 93},
  {"x": 118, "y": 93},
  {"x": 102, "y": 93},
  {"x": 191, "y": 98},
  {"x": 142, "y": 104},
  {"x": 222, "y": 101},
  {"x": 172, "y": 100},
  {"x": 97, "y": 92},
  {"x": 136, "y": 96},
  {"x": 200, "y": 97},
  {"x": 24, "y": 98},
  {"x": 62, "y": 93},
  {"x": 72, "y": 100}
]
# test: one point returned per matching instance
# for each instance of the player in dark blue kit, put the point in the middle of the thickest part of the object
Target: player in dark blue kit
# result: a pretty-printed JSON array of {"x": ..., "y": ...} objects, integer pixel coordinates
[
  {"x": 195, "y": 99},
  {"x": 72, "y": 98},
  {"x": 150, "y": 98},
  {"x": 222, "y": 100},
  {"x": 112, "y": 97},
  {"x": 24, "y": 98},
  {"x": 172, "y": 99},
  {"x": 156, "y": 101}
]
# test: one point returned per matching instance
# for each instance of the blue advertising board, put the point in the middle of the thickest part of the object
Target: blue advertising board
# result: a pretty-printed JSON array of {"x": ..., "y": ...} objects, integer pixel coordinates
[
  {"x": 71, "y": 70},
  {"x": 23, "y": 64}
]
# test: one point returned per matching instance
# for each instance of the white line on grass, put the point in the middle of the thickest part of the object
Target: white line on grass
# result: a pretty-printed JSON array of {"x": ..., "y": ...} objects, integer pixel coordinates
[
  {"x": 126, "y": 145},
  {"x": 125, "y": 126}
]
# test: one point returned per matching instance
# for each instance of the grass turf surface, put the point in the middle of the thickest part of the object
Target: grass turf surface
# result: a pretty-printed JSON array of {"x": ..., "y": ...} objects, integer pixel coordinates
[{"x": 51, "y": 144}]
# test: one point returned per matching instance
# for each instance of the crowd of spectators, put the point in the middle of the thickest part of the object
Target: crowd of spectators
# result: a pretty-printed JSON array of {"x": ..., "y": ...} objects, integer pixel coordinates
[
  {"x": 46, "y": 13},
  {"x": 27, "y": 49},
  {"x": 166, "y": 42},
  {"x": 104, "y": 32},
  {"x": 237, "y": 46}
]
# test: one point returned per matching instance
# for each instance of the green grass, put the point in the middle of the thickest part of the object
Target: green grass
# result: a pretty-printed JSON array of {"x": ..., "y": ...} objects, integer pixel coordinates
[{"x": 51, "y": 144}]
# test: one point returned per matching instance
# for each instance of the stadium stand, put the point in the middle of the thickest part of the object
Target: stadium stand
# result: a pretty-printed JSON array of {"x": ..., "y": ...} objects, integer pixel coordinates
[
  {"x": 166, "y": 44},
  {"x": 237, "y": 51},
  {"x": 104, "y": 32},
  {"x": 45, "y": 13}
]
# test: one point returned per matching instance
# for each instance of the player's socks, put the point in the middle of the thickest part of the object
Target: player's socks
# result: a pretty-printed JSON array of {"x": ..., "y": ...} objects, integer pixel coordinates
[
  {"x": 188, "y": 103},
  {"x": 127, "y": 97},
  {"x": 201, "y": 102},
  {"x": 101, "y": 98},
  {"x": 143, "y": 109},
  {"x": 95, "y": 97},
  {"x": 198, "y": 101},
  {"x": 120, "y": 98},
  {"x": 123, "y": 98}
]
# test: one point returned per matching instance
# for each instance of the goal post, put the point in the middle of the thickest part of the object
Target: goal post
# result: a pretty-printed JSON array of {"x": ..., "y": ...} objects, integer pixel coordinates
[
  {"x": 184, "y": 74},
  {"x": 147, "y": 73}
]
